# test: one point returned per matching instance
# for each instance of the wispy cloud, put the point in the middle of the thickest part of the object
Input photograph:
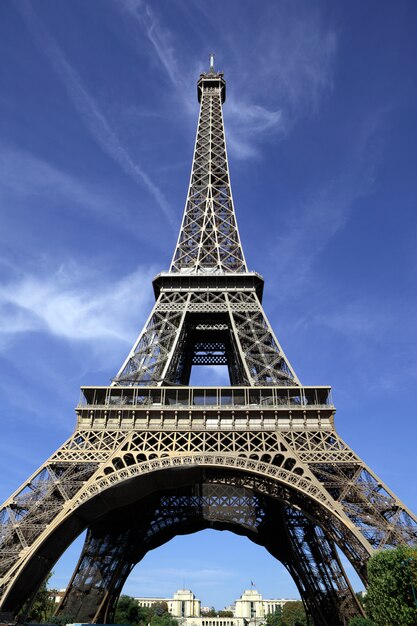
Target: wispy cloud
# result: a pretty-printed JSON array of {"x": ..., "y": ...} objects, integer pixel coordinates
[
  {"x": 75, "y": 304},
  {"x": 162, "y": 41},
  {"x": 300, "y": 59},
  {"x": 180, "y": 573},
  {"x": 88, "y": 109},
  {"x": 309, "y": 231},
  {"x": 169, "y": 578},
  {"x": 296, "y": 63},
  {"x": 160, "y": 38},
  {"x": 26, "y": 177},
  {"x": 296, "y": 68},
  {"x": 247, "y": 123},
  {"x": 312, "y": 224},
  {"x": 246, "y": 120},
  {"x": 356, "y": 319}
]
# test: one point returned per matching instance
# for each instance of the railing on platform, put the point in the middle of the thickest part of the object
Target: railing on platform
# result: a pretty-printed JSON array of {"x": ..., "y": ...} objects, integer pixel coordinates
[{"x": 213, "y": 397}]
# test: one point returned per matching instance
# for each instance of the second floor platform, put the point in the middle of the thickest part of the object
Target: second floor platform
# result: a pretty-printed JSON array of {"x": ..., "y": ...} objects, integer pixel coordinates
[{"x": 205, "y": 407}]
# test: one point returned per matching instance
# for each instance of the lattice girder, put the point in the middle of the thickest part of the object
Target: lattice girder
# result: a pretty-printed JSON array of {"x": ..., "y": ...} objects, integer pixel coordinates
[
  {"x": 213, "y": 504},
  {"x": 163, "y": 352},
  {"x": 100, "y": 456},
  {"x": 209, "y": 238}
]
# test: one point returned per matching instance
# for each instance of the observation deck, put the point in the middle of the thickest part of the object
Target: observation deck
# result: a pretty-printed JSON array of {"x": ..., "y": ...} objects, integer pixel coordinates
[
  {"x": 211, "y": 81},
  {"x": 201, "y": 408},
  {"x": 208, "y": 281}
]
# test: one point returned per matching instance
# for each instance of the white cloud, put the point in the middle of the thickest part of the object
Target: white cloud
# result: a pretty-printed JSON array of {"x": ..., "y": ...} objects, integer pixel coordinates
[
  {"x": 170, "y": 578},
  {"x": 87, "y": 107},
  {"x": 75, "y": 304},
  {"x": 159, "y": 37},
  {"x": 162, "y": 42},
  {"x": 180, "y": 573},
  {"x": 313, "y": 225},
  {"x": 355, "y": 319},
  {"x": 299, "y": 59},
  {"x": 26, "y": 177},
  {"x": 246, "y": 123},
  {"x": 292, "y": 70}
]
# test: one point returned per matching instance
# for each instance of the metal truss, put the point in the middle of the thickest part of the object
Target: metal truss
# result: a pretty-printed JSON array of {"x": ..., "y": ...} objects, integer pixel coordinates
[
  {"x": 209, "y": 238},
  {"x": 115, "y": 545},
  {"x": 65, "y": 496},
  {"x": 151, "y": 457},
  {"x": 183, "y": 326}
]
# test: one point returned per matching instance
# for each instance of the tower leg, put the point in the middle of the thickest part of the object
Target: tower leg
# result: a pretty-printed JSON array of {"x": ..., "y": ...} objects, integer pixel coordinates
[{"x": 123, "y": 537}]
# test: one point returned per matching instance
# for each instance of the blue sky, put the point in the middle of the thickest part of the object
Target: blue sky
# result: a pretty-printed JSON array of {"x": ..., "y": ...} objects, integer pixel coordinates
[{"x": 98, "y": 112}]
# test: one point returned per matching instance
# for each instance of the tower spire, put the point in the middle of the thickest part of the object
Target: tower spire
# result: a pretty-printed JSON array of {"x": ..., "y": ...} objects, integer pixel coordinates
[{"x": 209, "y": 240}]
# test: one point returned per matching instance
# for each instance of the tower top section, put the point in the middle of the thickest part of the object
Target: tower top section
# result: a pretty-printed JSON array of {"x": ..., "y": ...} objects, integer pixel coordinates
[
  {"x": 209, "y": 241},
  {"x": 210, "y": 81}
]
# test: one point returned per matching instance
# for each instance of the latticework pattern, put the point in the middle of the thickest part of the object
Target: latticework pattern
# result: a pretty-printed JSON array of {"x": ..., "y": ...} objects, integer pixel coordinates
[
  {"x": 94, "y": 460},
  {"x": 209, "y": 239},
  {"x": 181, "y": 323},
  {"x": 221, "y": 503}
]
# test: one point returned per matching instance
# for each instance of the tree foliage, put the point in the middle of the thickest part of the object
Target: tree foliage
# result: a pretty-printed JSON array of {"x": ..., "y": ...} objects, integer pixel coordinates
[
  {"x": 211, "y": 613},
  {"x": 160, "y": 608},
  {"x": 291, "y": 614},
  {"x": 361, "y": 621},
  {"x": 275, "y": 618},
  {"x": 43, "y": 606},
  {"x": 129, "y": 612},
  {"x": 392, "y": 576}
]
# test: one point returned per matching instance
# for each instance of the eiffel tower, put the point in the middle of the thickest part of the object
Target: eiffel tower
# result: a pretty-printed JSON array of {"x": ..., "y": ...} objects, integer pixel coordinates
[{"x": 153, "y": 457}]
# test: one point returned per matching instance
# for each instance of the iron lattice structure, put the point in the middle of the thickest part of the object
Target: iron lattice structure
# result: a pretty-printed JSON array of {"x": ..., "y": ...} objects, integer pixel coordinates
[{"x": 152, "y": 457}]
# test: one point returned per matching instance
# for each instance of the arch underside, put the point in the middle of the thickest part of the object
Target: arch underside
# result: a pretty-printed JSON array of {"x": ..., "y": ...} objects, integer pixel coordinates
[
  {"x": 223, "y": 501},
  {"x": 299, "y": 513}
]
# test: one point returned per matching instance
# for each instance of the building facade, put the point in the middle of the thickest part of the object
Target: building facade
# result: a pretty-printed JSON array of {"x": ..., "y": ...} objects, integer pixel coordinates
[
  {"x": 251, "y": 605},
  {"x": 182, "y": 604},
  {"x": 251, "y": 609}
]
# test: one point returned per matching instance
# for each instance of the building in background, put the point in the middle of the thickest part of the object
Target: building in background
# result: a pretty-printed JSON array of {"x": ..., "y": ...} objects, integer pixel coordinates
[
  {"x": 250, "y": 609},
  {"x": 56, "y": 595},
  {"x": 251, "y": 605},
  {"x": 183, "y": 604}
]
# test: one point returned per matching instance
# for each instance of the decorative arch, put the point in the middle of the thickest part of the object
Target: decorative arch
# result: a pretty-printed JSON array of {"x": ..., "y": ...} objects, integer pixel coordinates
[{"x": 303, "y": 505}]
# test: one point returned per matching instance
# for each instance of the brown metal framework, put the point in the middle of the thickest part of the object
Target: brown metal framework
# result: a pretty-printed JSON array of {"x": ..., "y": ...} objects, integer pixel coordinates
[{"x": 152, "y": 457}]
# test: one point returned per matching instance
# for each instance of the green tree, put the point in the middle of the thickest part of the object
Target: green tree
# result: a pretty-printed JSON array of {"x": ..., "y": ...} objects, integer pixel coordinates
[
  {"x": 275, "y": 618},
  {"x": 129, "y": 612},
  {"x": 361, "y": 621},
  {"x": 159, "y": 608},
  {"x": 391, "y": 594},
  {"x": 225, "y": 613},
  {"x": 212, "y": 612},
  {"x": 163, "y": 620},
  {"x": 43, "y": 606},
  {"x": 293, "y": 614},
  {"x": 160, "y": 616}
]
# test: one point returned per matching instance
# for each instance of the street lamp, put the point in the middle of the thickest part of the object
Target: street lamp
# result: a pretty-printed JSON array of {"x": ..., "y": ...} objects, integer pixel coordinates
[{"x": 406, "y": 563}]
